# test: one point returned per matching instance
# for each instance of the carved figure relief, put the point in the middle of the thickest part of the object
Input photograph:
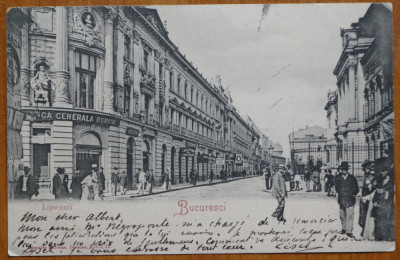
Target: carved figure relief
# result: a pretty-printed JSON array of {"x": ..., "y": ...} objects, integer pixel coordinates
[
  {"x": 128, "y": 71},
  {"x": 41, "y": 84},
  {"x": 87, "y": 26}
]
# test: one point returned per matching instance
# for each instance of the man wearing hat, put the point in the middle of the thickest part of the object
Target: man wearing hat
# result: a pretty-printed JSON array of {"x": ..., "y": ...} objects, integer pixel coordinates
[
  {"x": 383, "y": 201},
  {"x": 347, "y": 189},
  {"x": 26, "y": 185},
  {"x": 279, "y": 192},
  {"x": 58, "y": 184}
]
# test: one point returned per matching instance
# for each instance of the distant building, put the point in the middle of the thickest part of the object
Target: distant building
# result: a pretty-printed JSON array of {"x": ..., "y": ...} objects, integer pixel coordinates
[
  {"x": 271, "y": 152},
  {"x": 308, "y": 144}
]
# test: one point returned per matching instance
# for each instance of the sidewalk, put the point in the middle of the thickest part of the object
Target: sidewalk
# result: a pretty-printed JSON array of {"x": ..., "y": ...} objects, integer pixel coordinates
[{"x": 176, "y": 187}]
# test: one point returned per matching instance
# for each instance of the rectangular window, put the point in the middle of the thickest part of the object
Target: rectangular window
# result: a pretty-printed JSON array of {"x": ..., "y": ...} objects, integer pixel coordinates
[{"x": 85, "y": 68}]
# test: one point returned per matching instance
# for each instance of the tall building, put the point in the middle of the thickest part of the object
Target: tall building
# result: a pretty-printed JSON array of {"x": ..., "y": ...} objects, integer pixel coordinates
[
  {"x": 271, "y": 152},
  {"x": 363, "y": 101},
  {"x": 106, "y": 87}
]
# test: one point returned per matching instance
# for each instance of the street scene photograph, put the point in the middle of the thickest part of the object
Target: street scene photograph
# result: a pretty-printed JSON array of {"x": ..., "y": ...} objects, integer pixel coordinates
[{"x": 206, "y": 129}]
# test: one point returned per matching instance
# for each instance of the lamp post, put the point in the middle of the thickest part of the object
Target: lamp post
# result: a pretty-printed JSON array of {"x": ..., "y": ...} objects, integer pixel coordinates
[{"x": 40, "y": 102}]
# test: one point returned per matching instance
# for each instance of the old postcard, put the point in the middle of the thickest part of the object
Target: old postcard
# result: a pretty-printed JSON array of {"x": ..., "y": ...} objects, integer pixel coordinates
[{"x": 207, "y": 129}]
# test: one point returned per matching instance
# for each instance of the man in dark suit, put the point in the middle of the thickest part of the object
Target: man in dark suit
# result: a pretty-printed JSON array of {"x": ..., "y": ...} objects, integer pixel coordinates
[
  {"x": 58, "y": 184},
  {"x": 347, "y": 189},
  {"x": 26, "y": 185}
]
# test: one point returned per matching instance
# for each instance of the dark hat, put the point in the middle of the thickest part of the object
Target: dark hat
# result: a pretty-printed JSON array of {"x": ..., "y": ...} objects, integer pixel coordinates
[
  {"x": 366, "y": 163},
  {"x": 60, "y": 170},
  {"x": 115, "y": 168},
  {"x": 26, "y": 168},
  {"x": 344, "y": 165}
]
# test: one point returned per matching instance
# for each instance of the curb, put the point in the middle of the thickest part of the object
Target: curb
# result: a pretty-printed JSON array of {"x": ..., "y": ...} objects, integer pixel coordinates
[{"x": 179, "y": 188}]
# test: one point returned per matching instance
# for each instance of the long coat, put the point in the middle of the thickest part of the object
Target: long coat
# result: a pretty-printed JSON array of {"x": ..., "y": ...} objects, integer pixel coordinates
[
  {"x": 278, "y": 186},
  {"x": 347, "y": 190},
  {"x": 31, "y": 186},
  {"x": 59, "y": 187}
]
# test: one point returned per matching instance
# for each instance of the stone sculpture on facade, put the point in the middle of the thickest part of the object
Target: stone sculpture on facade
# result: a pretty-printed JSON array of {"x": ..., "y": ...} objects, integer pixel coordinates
[{"x": 41, "y": 85}]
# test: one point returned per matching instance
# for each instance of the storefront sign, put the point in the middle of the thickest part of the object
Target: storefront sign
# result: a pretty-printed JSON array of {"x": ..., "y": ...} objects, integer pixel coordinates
[
  {"x": 72, "y": 116},
  {"x": 132, "y": 131},
  {"x": 239, "y": 159}
]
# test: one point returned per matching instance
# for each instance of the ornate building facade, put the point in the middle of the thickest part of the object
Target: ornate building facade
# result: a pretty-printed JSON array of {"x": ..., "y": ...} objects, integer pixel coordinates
[
  {"x": 106, "y": 86},
  {"x": 361, "y": 109}
]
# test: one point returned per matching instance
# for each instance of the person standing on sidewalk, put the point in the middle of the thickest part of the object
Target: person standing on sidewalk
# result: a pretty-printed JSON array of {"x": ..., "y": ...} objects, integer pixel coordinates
[
  {"x": 115, "y": 180},
  {"x": 347, "y": 189},
  {"x": 102, "y": 182},
  {"x": 142, "y": 181},
  {"x": 151, "y": 181},
  {"x": 279, "y": 192},
  {"x": 297, "y": 180},
  {"x": 76, "y": 186},
  {"x": 307, "y": 179},
  {"x": 211, "y": 176},
  {"x": 123, "y": 182}
]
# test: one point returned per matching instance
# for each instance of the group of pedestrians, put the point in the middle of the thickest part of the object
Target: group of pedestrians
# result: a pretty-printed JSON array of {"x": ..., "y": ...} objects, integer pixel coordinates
[
  {"x": 88, "y": 186},
  {"x": 376, "y": 216}
]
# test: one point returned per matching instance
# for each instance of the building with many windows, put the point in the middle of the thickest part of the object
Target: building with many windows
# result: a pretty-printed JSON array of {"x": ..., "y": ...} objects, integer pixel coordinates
[
  {"x": 106, "y": 87},
  {"x": 361, "y": 109}
]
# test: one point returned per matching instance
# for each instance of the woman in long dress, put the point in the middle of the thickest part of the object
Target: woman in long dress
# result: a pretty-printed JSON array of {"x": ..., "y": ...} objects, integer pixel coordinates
[{"x": 87, "y": 188}]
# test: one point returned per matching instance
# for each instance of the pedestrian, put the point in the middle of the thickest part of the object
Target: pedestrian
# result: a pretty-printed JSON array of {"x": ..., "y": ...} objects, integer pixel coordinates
[
  {"x": 65, "y": 183},
  {"x": 329, "y": 183},
  {"x": 297, "y": 180},
  {"x": 142, "y": 181},
  {"x": 316, "y": 179},
  {"x": 147, "y": 179},
  {"x": 347, "y": 189},
  {"x": 366, "y": 190},
  {"x": 383, "y": 201},
  {"x": 279, "y": 192},
  {"x": 95, "y": 180},
  {"x": 192, "y": 176},
  {"x": 307, "y": 179},
  {"x": 166, "y": 178},
  {"x": 59, "y": 191},
  {"x": 286, "y": 176},
  {"x": 196, "y": 177},
  {"x": 87, "y": 187},
  {"x": 211, "y": 176},
  {"x": 76, "y": 186},
  {"x": 267, "y": 176},
  {"x": 123, "y": 182},
  {"x": 115, "y": 180},
  {"x": 26, "y": 185},
  {"x": 368, "y": 221},
  {"x": 151, "y": 181},
  {"x": 102, "y": 182},
  {"x": 222, "y": 173}
]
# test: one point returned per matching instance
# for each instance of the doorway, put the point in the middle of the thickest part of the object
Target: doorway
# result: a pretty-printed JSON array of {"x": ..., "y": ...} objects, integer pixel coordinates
[
  {"x": 41, "y": 153},
  {"x": 130, "y": 152}
]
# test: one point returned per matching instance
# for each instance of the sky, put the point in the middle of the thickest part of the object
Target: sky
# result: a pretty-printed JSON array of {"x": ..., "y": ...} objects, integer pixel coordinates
[{"x": 279, "y": 75}]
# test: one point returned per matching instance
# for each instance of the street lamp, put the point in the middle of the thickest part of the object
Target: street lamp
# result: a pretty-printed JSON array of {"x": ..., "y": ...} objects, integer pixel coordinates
[{"x": 40, "y": 102}]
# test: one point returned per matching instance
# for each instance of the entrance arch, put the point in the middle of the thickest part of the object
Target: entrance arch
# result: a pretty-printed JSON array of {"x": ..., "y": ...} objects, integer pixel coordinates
[
  {"x": 130, "y": 162},
  {"x": 88, "y": 152}
]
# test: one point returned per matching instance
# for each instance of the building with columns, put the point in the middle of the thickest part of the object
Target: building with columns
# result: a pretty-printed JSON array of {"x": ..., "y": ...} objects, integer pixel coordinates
[
  {"x": 361, "y": 109},
  {"x": 106, "y": 87}
]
